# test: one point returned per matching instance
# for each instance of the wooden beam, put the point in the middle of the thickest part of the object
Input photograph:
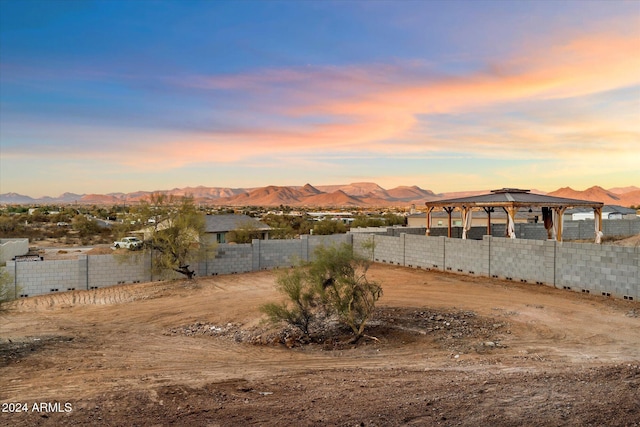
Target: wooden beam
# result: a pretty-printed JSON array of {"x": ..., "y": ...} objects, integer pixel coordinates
[
  {"x": 449, "y": 210},
  {"x": 598, "y": 221},
  {"x": 488, "y": 210},
  {"x": 511, "y": 213},
  {"x": 560, "y": 213},
  {"x": 465, "y": 213},
  {"x": 429, "y": 210}
]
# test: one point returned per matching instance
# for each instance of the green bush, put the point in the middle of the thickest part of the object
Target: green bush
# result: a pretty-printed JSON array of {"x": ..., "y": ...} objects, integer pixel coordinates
[
  {"x": 333, "y": 286},
  {"x": 7, "y": 289}
]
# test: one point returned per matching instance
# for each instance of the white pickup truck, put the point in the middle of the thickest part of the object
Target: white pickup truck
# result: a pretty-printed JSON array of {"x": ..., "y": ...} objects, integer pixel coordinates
[{"x": 128, "y": 243}]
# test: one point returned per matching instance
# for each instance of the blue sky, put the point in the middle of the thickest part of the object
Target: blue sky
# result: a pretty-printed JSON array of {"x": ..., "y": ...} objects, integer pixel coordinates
[{"x": 119, "y": 96}]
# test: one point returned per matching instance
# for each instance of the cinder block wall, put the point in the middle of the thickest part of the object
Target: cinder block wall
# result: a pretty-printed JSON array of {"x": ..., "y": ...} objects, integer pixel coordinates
[
  {"x": 389, "y": 249},
  {"x": 572, "y": 230},
  {"x": 435, "y": 254},
  {"x": 522, "y": 260},
  {"x": 279, "y": 253},
  {"x": 362, "y": 245},
  {"x": 620, "y": 227},
  {"x": 467, "y": 256},
  {"x": 416, "y": 251},
  {"x": 601, "y": 269},
  {"x": 228, "y": 259},
  {"x": 10, "y": 248},
  {"x": 39, "y": 277},
  {"x": 108, "y": 270},
  {"x": 583, "y": 267},
  {"x": 313, "y": 242}
]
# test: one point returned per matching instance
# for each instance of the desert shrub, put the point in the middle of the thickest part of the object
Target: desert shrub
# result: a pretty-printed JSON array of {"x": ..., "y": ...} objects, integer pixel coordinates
[
  {"x": 245, "y": 233},
  {"x": 178, "y": 241},
  {"x": 346, "y": 292},
  {"x": 332, "y": 287},
  {"x": 327, "y": 227},
  {"x": 300, "y": 309},
  {"x": 7, "y": 289}
]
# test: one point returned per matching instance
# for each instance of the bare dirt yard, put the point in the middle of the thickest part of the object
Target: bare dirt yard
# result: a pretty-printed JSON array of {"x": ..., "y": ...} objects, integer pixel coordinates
[{"x": 451, "y": 351}]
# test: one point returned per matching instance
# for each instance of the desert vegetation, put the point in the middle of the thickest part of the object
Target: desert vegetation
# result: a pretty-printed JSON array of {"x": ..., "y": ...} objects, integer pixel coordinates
[{"x": 332, "y": 288}]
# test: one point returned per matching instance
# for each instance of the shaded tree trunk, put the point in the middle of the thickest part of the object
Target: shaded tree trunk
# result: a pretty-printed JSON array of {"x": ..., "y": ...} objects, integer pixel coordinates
[{"x": 184, "y": 269}]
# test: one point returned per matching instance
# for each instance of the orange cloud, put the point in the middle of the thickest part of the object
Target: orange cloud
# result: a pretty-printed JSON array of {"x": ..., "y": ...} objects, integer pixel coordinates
[
  {"x": 381, "y": 109},
  {"x": 377, "y": 109}
]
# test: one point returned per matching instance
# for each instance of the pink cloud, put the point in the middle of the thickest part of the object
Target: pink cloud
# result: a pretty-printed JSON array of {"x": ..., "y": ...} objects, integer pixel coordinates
[
  {"x": 365, "y": 108},
  {"x": 378, "y": 108}
]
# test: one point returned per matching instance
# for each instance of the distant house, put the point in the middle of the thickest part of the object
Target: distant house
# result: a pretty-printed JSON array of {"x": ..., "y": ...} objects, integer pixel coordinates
[
  {"x": 608, "y": 212},
  {"x": 217, "y": 226}
]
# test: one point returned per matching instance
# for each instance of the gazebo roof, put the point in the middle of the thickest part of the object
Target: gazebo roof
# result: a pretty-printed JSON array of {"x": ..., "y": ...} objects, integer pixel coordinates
[{"x": 512, "y": 197}]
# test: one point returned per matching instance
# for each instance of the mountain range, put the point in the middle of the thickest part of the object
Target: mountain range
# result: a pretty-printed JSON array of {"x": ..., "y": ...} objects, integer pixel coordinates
[{"x": 359, "y": 194}]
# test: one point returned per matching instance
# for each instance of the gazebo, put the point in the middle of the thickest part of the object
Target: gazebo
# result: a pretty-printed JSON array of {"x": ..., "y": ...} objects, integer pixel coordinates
[{"x": 511, "y": 200}]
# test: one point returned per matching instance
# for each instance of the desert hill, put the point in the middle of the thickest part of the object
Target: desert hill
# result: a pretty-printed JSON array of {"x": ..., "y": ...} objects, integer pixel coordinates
[
  {"x": 599, "y": 194},
  {"x": 349, "y": 195},
  {"x": 337, "y": 198},
  {"x": 356, "y": 189},
  {"x": 414, "y": 192},
  {"x": 623, "y": 190}
]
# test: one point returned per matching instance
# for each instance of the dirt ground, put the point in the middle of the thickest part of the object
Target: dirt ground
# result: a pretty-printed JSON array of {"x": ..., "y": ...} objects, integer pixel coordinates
[{"x": 452, "y": 351}]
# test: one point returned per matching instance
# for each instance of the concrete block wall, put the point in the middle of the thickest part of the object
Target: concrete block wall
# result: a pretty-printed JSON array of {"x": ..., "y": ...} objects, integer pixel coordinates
[
  {"x": 362, "y": 245},
  {"x": 612, "y": 270},
  {"x": 584, "y": 229},
  {"x": 531, "y": 232},
  {"x": 522, "y": 260},
  {"x": 10, "y": 248},
  {"x": 601, "y": 269},
  {"x": 389, "y": 249},
  {"x": 314, "y": 242},
  {"x": 621, "y": 227},
  {"x": 386, "y": 231},
  {"x": 269, "y": 254},
  {"x": 415, "y": 251},
  {"x": 466, "y": 256},
  {"x": 572, "y": 230},
  {"x": 279, "y": 253},
  {"x": 434, "y": 257},
  {"x": 108, "y": 270},
  {"x": 228, "y": 259},
  {"x": 41, "y": 277},
  {"x": 418, "y": 231}
]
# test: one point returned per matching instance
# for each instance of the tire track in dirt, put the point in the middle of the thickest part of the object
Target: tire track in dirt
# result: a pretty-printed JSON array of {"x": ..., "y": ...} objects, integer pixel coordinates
[
  {"x": 120, "y": 336},
  {"x": 117, "y": 294}
]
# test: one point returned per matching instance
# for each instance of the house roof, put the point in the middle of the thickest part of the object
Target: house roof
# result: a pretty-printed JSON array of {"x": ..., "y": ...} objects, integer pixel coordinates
[
  {"x": 512, "y": 197},
  {"x": 225, "y": 223},
  {"x": 605, "y": 209}
]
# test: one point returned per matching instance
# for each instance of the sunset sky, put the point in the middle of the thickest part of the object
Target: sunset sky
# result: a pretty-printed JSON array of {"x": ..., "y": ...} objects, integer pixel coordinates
[{"x": 119, "y": 96}]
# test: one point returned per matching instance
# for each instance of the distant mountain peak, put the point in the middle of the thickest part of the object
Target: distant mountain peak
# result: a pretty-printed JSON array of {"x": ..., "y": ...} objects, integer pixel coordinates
[
  {"x": 354, "y": 194},
  {"x": 308, "y": 188}
]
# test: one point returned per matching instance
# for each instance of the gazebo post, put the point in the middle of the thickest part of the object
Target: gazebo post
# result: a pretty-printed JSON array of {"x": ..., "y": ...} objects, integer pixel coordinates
[
  {"x": 560, "y": 213},
  {"x": 598, "y": 220},
  {"x": 466, "y": 220},
  {"x": 429, "y": 210},
  {"x": 449, "y": 210},
  {"x": 488, "y": 211},
  {"x": 511, "y": 214}
]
